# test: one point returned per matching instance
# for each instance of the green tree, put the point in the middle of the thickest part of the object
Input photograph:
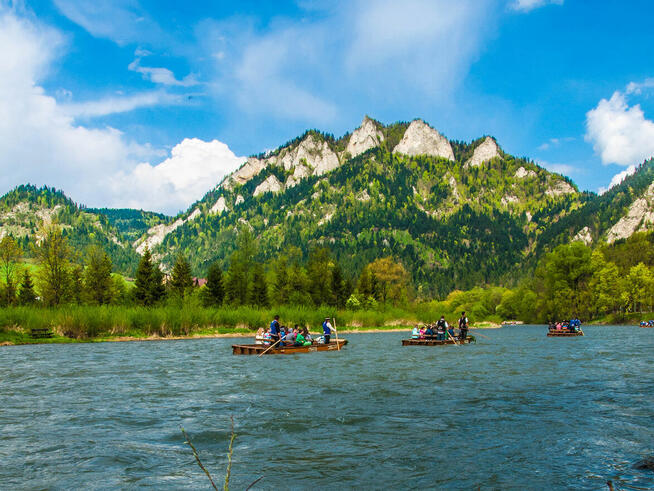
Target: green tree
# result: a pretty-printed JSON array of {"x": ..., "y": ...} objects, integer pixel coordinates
[
  {"x": 392, "y": 278},
  {"x": 605, "y": 285},
  {"x": 10, "y": 254},
  {"x": 181, "y": 279},
  {"x": 259, "y": 290},
  {"x": 98, "y": 283},
  {"x": 319, "y": 272},
  {"x": 148, "y": 284},
  {"x": 27, "y": 295},
  {"x": 562, "y": 280},
  {"x": 77, "y": 284},
  {"x": 214, "y": 292},
  {"x": 239, "y": 275},
  {"x": 339, "y": 287},
  {"x": 54, "y": 255},
  {"x": 639, "y": 288},
  {"x": 281, "y": 283}
]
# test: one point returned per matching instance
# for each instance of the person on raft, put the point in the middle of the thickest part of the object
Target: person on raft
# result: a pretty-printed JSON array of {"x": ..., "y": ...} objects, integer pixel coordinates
[
  {"x": 430, "y": 331},
  {"x": 275, "y": 330},
  {"x": 415, "y": 334},
  {"x": 307, "y": 335},
  {"x": 327, "y": 330},
  {"x": 463, "y": 326},
  {"x": 441, "y": 327},
  {"x": 300, "y": 340}
]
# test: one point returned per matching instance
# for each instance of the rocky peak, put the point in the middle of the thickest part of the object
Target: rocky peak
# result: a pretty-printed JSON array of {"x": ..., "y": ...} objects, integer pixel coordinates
[
  {"x": 640, "y": 217},
  {"x": 365, "y": 137},
  {"x": 270, "y": 185},
  {"x": 312, "y": 151},
  {"x": 421, "y": 139},
  {"x": 485, "y": 151},
  {"x": 252, "y": 167}
]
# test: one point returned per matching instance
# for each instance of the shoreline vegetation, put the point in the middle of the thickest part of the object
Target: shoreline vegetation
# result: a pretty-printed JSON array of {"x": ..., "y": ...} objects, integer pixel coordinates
[
  {"x": 74, "y": 324},
  {"x": 92, "y": 324}
]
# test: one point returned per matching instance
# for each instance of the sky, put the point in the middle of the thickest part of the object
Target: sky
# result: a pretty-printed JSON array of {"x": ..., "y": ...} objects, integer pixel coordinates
[{"x": 149, "y": 104}]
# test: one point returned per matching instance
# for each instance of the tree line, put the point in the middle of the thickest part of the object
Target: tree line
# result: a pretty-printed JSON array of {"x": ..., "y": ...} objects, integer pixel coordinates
[{"x": 64, "y": 276}]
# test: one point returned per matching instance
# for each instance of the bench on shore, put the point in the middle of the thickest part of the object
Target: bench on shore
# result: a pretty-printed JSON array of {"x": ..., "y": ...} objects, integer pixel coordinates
[{"x": 39, "y": 333}]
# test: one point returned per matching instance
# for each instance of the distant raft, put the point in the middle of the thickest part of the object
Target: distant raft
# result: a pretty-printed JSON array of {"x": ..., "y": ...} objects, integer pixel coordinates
[
  {"x": 257, "y": 349},
  {"x": 435, "y": 342},
  {"x": 560, "y": 333}
]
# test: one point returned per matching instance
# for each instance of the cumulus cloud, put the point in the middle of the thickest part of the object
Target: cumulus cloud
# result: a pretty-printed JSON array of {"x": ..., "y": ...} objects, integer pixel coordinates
[
  {"x": 620, "y": 134},
  {"x": 638, "y": 87},
  {"x": 618, "y": 178},
  {"x": 193, "y": 167},
  {"x": 42, "y": 143},
  {"x": 528, "y": 5}
]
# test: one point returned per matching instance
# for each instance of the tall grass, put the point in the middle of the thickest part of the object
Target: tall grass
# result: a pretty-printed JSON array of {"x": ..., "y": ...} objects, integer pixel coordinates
[{"x": 83, "y": 322}]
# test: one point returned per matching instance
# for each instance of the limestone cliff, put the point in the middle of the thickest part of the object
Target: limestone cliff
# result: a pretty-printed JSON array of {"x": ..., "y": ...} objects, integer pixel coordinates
[
  {"x": 484, "y": 152},
  {"x": 422, "y": 139},
  {"x": 365, "y": 137},
  {"x": 640, "y": 217}
]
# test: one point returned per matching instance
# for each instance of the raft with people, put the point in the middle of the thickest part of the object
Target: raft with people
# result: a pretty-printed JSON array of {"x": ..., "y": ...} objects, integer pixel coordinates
[
  {"x": 440, "y": 334},
  {"x": 565, "y": 329},
  {"x": 280, "y": 340},
  {"x": 261, "y": 349}
]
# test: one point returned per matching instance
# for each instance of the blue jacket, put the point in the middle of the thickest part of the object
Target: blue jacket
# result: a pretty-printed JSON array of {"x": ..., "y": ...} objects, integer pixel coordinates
[
  {"x": 274, "y": 327},
  {"x": 325, "y": 329}
]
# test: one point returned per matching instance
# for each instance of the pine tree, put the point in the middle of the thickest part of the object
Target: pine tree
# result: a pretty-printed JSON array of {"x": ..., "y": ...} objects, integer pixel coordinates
[
  {"x": 281, "y": 285},
  {"x": 98, "y": 283},
  {"x": 26, "y": 296},
  {"x": 215, "y": 290},
  {"x": 237, "y": 284},
  {"x": 259, "y": 290},
  {"x": 181, "y": 279},
  {"x": 148, "y": 284}
]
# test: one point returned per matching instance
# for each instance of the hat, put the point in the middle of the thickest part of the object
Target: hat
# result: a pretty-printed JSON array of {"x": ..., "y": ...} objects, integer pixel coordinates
[{"x": 326, "y": 318}]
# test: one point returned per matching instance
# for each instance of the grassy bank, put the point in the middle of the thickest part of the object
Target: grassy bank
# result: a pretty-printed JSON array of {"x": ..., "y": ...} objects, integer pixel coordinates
[{"x": 87, "y": 323}]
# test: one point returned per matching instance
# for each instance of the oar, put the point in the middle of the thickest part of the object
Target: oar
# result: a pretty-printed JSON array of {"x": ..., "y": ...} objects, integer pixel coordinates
[
  {"x": 481, "y": 334},
  {"x": 338, "y": 345},
  {"x": 270, "y": 347},
  {"x": 451, "y": 337}
]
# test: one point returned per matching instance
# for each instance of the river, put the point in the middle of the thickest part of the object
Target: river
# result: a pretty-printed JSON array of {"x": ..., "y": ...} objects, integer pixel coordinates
[{"x": 517, "y": 410}]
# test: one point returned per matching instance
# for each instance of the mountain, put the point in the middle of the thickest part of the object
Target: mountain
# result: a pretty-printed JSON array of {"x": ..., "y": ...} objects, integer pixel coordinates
[
  {"x": 457, "y": 214},
  {"x": 25, "y": 210}
]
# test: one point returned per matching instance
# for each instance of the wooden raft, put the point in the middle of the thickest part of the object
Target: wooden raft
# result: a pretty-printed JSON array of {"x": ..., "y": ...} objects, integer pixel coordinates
[
  {"x": 564, "y": 334},
  {"x": 433, "y": 342},
  {"x": 257, "y": 349}
]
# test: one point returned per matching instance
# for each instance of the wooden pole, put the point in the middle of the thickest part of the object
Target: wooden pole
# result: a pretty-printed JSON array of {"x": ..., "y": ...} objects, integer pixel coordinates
[
  {"x": 338, "y": 345},
  {"x": 451, "y": 337},
  {"x": 270, "y": 347}
]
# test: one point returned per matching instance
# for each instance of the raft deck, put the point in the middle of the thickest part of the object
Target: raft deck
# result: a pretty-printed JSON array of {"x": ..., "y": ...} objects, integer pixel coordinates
[
  {"x": 433, "y": 341},
  {"x": 564, "y": 334},
  {"x": 257, "y": 349}
]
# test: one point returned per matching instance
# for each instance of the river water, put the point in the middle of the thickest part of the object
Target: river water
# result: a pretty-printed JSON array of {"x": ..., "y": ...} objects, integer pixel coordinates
[{"x": 515, "y": 411}]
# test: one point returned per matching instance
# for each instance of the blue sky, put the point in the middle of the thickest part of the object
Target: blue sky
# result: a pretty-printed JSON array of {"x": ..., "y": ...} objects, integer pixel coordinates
[{"x": 148, "y": 104}]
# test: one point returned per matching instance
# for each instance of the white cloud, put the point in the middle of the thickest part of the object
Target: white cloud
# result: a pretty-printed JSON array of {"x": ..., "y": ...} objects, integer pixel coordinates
[
  {"x": 638, "y": 87},
  {"x": 528, "y": 5},
  {"x": 192, "y": 169},
  {"x": 564, "y": 169},
  {"x": 41, "y": 143},
  {"x": 161, "y": 76},
  {"x": 120, "y": 104},
  {"x": 370, "y": 51},
  {"x": 620, "y": 134},
  {"x": 618, "y": 178},
  {"x": 122, "y": 21},
  {"x": 555, "y": 142}
]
